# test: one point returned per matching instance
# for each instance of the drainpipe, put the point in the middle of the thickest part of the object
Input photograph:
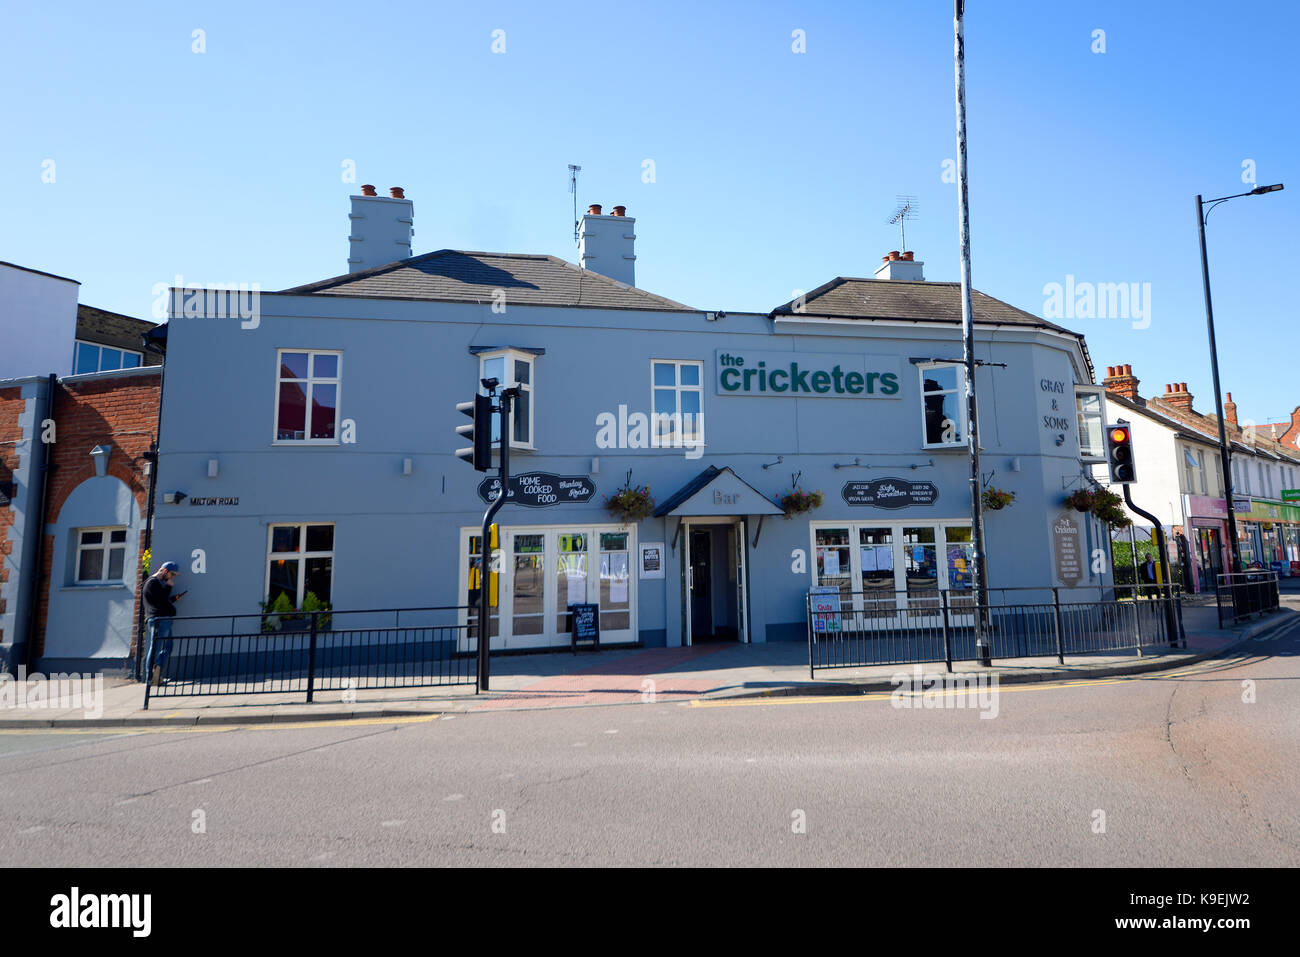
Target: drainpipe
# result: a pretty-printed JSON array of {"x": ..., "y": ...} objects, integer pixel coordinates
[
  {"x": 34, "y": 610},
  {"x": 159, "y": 348}
]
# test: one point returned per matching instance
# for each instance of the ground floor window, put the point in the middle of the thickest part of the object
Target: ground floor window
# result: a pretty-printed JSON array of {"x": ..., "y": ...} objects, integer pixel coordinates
[
  {"x": 101, "y": 555},
  {"x": 537, "y": 572},
  {"x": 886, "y": 558},
  {"x": 300, "y": 562}
]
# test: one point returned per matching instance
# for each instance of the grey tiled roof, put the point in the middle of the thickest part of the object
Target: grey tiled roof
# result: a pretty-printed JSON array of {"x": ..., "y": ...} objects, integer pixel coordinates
[
  {"x": 452, "y": 275},
  {"x": 917, "y": 301},
  {"x": 113, "y": 329}
]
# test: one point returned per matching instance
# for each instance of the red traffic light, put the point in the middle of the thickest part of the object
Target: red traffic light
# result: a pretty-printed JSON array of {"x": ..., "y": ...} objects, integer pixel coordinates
[{"x": 1119, "y": 435}]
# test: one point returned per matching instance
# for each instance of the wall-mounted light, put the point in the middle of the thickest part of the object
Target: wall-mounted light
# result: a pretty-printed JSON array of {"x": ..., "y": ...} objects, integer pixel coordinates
[
  {"x": 406, "y": 466},
  {"x": 174, "y": 498},
  {"x": 595, "y": 464},
  {"x": 99, "y": 454},
  {"x": 214, "y": 466}
]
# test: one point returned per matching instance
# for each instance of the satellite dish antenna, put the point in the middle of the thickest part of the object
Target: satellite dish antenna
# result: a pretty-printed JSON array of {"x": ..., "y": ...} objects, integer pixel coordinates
[{"x": 907, "y": 208}]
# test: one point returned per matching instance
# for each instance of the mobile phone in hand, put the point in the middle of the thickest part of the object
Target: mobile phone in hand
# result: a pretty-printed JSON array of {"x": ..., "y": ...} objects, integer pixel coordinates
[{"x": 181, "y": 595}]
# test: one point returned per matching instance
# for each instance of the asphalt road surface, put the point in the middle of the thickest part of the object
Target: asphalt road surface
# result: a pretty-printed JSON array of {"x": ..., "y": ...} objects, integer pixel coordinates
[{"x": 1195, "y": 767}]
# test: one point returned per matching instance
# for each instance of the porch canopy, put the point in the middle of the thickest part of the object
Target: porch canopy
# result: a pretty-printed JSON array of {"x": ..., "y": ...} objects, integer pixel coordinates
[{"x": 717, "y": 491}]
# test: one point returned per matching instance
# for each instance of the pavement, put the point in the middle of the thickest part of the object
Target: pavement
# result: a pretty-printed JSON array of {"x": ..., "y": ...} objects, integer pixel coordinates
[{"x": 614, "y": 676}]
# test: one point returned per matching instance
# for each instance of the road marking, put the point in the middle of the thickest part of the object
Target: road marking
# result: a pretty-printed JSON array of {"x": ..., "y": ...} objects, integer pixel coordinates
[
  {"x": 215, "y": 728},
  {"x": 888, "y": 695}
]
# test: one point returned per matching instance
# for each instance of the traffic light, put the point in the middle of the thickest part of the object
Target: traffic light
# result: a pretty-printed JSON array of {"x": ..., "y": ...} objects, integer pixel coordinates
[
  {"x": 479, "y": 432},
  {"x": 1119, "y": 455}
]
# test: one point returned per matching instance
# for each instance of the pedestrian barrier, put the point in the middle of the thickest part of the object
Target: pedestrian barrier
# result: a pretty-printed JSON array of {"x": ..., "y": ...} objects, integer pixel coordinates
[
  {"x": 859, "y": 629},
  {"x": 1242, "y": 595},
  {"x": 311, "y": 652}
]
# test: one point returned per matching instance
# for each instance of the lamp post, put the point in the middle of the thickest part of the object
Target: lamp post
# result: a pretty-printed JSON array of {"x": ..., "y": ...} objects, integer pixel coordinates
[{"x": 1203, "y": 214}]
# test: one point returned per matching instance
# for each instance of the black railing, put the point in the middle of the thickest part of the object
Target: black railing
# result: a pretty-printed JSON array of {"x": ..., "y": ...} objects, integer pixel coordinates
[
  {"x": 1242, "y": 595},
  {"x": 882, "y": 628},
  {"x": 311, "y": 652}
]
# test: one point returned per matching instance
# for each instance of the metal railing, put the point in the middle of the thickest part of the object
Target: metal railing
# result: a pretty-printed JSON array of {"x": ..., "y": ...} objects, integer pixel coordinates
[
  {"x": 880, "y": 628},
  {"x": 310, "y": 652},
  {"x": 1242, "y": 595}
]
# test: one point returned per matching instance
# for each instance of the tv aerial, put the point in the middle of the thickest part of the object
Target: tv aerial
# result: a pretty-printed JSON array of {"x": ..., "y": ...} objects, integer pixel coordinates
[
  {"x": 907, "y": 208},
  {"x": 573, "y": 188}
]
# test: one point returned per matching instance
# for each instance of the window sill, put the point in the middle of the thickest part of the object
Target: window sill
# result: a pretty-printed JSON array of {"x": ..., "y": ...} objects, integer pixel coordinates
[
  {"x": 97, "y": 586},
  {"x": 306, "y": 443}
]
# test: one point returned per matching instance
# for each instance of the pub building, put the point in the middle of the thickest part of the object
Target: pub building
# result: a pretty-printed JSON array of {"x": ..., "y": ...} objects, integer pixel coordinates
[{"x": 310, "y": 448}]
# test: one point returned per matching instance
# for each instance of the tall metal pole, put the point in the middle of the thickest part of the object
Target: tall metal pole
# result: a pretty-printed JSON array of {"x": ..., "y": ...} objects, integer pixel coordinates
[
  {"x": 968, "y": 346},
  {"x": 1234, "y": 561},
  {"x": 485, "y": 546}
]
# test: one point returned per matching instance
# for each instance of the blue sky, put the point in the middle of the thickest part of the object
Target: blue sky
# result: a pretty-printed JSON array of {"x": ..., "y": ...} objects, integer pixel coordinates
[{"x": 774, "y": 171}]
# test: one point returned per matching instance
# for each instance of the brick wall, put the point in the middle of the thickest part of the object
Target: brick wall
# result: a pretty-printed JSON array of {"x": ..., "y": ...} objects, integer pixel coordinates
[
  {"x": 120, "y": 412},
  {"x": 12, "y": 405}
]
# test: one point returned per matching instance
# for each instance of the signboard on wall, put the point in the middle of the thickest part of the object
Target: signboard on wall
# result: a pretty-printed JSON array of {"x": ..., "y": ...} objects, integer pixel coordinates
[
  {"x": 890, "y": 493},
  {"x": 1068, "y": 549},
  {"x": 652, "y": 559},
  {"x": 808, "y": 375},
  {"x": 540, "y": 489}
]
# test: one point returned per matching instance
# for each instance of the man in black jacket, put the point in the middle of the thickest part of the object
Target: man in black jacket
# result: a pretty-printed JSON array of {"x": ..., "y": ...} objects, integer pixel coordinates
[{"x": 159, "y": 605}]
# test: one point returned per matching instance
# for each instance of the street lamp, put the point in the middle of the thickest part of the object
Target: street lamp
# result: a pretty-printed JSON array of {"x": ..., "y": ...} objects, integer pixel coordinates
[{"x": 1203, "y": 214}]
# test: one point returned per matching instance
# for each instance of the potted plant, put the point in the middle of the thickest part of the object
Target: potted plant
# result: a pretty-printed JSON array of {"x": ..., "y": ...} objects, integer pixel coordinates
[
  {"x": 279, "y": 613},
  {"x": 631, "y": 503},
  {"x": 312, "y": 603},
  {"x": 996, "y": 499},
  {"x": 797, "y": 501},
  {"x": 1081, "y": 500}
]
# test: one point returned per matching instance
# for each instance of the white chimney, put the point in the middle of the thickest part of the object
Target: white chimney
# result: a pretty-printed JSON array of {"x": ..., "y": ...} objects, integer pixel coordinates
[
  {"x": 381, "y": 228},
  {"x": 606, "y": 244},
  {"x": 900, "y": 266}
]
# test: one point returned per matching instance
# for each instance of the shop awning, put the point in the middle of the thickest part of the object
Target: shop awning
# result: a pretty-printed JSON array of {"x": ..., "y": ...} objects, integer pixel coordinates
[{"x": 718, "y": 491}]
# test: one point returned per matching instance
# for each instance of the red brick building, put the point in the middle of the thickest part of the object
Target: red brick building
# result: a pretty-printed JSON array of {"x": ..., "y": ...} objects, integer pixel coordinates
[{"x": 75, "y": 451}]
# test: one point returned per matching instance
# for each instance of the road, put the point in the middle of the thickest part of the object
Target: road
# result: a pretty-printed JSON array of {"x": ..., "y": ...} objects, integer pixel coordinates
[{"x": 1177, "y": 769}]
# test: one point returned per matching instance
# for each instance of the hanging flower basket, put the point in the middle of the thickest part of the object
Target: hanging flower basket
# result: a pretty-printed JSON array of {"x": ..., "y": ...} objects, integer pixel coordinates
[
  {"x": 797, "y": 501},
  {"x": 996, "y": 499},
  {"x": 631, "y": 503},
  {"x": 1107, "y": 507},
  {"x": 1081, "y": 500}
]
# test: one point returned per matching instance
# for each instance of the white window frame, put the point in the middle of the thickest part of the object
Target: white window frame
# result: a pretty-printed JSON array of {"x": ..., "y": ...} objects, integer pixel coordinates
[
  {"x": 336, "y": 381},
  {"x": 300, "y": 556},
  {"x": 105, "y": 546},
  {"x": 1100, "y": 392},
  {"x": 502, "y": 614},
  {"x": 960, "y": 391},
  {"x": 99, "y": 363},
  {"x": 511, "y": 356},
  {"x": 668, "y": 440}
]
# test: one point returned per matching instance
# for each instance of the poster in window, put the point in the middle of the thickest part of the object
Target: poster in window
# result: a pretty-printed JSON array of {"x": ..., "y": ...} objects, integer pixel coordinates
[
  {"x": 830, "y": 562},
  {"x": 652, "y": 559}
]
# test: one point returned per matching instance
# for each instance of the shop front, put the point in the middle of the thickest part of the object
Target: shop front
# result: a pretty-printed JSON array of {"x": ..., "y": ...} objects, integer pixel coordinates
[
  {"x": 1207, "y": 521},
  {"x": 1269, "y": 536}
]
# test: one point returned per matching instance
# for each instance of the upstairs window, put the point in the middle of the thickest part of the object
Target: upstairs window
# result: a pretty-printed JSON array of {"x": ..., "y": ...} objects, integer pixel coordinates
[
  {"x": 90, "y": 357},
  {"x": 943, "y": 405},
  {"x": 513, "y": 369},
  {"x": 1090, "y": 405},
  {"x": 678, "y": 403},
  {"x": 307, "y": 396}
]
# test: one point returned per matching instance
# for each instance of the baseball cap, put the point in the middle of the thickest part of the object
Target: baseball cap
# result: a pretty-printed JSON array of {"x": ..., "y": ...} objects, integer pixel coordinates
[{"x": 169, "y": 567}]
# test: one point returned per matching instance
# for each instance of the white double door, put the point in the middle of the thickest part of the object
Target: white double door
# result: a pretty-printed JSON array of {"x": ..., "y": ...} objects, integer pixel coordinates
[{"x": 539, "y": 571}]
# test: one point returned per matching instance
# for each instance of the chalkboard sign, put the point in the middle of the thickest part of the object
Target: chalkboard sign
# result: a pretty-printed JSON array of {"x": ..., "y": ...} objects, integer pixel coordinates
[
  {"x": 890, "y": 493},
  {"x": 540, "y": 489},
  {"x": 586, "y": 625}
]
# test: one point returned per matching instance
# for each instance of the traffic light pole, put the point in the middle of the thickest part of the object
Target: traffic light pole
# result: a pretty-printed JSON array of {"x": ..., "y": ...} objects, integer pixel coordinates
[
  {"x": 1171, "y": 622},
  {"x": 485, "y": 543}
]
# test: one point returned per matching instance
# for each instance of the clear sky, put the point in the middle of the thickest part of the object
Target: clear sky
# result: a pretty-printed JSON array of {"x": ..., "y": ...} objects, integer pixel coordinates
[{"x": 773, "y": 170}]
